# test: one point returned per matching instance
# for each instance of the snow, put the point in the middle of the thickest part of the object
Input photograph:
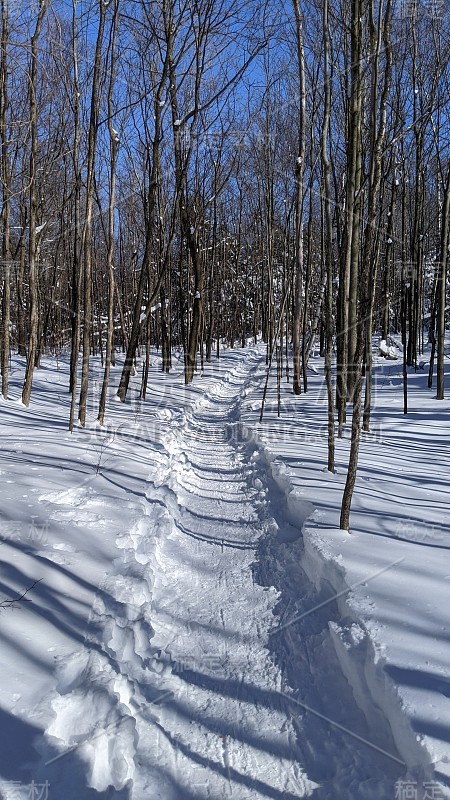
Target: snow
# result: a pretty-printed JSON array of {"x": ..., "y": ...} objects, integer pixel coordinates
[
  {"x": 388, "y": 351},
  {"x": 144, "y": 313},
  {"x": 389, "y": 576},
  {"x": 201, "y": 627}
]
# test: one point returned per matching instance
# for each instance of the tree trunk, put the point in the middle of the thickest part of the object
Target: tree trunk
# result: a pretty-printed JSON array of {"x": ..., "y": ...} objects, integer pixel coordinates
[
  {"x": 327, "y": 236},
  {"x": 87, "y": 228},
  {"x": 113, "y": 152},
  {"x": 299, "y": 194},
  {"x": 366, "y": 290},
  {"x": 6, "y": 206},
  {"x": 75, "y": 305},
  {"x": 349, "y": 268},
  {"x": 32, "y": 238},
  {"x": 442, "y": 289}
]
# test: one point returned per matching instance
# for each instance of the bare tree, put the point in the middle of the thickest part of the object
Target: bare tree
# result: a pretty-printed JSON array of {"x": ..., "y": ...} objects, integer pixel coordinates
[
  {"x": 87, "y": 227},
  {"x": 442, "y": 288},
  {"x": 379, "y": 39},
  {"x": 299, "y": 190},
  {"x": 328, "y": 231},
  {"x": 33, "y": 201},
  {"x": 6, "y": 200},
  {"x": 113, "y": 145}
]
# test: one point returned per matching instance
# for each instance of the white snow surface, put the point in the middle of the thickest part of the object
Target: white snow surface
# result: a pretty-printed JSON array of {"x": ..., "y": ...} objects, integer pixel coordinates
[{"x": 201, "y": 628}]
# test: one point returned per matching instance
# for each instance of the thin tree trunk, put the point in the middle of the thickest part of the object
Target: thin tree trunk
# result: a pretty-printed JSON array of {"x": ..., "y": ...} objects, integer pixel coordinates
[
  {"x": 442, "y": 289},
  {"x": 21, "y": 253},
  {"x": 350, "y": 252},
  {"x": 369, "y": 272},
  {"x": 32, "y": 238},
  {"x": 113, "y": 152},
  {"x": 328, "y": 235},
  {"x": 75, "y": 307},
  {"x": 152, "y": 201},
  {"x": 299, "y": 191},
  {"x": 87, "y": 228},
  {"x": 6, "y": 206}
]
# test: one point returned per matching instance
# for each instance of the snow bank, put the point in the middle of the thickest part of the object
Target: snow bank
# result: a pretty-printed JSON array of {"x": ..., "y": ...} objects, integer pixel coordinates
[
  {"x": 389, "y": 577},
  {"x": 360, "y": 646}
]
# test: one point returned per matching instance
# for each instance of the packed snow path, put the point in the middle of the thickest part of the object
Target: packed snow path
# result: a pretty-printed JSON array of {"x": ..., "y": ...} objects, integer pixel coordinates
[{"x": 184, "y": 690}]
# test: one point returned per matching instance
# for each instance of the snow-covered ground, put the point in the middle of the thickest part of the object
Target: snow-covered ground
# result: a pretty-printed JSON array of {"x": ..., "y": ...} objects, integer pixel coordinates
[{"x": 185, "y": 641}]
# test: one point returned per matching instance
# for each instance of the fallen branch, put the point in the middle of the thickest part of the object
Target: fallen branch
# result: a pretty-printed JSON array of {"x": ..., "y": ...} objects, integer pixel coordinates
[{"x": 22, "y": 598}]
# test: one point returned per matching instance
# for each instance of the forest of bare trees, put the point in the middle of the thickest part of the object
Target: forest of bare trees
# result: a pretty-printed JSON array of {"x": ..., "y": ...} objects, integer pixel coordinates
[{"x": 194, "y": 173}]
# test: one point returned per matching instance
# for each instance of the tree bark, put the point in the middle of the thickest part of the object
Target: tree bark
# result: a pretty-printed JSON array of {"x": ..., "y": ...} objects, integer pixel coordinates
[
  {"x": 75, "y": 303},
  {"x": 113, "y": 153},
  {"x": 87, "y": 227},
  {"x": 366, "y": 287},
  {"x": 6, "y": 205},
  {"x": 32, "y": 238},
  {"x": 299, "y": 194},
  {"x": 327, "y": 236},
  {"x": 442, "y": 289}
]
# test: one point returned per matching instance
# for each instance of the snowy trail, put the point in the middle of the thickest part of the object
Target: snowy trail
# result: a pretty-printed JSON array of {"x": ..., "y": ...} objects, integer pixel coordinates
[{"x": 184, "y": 690}]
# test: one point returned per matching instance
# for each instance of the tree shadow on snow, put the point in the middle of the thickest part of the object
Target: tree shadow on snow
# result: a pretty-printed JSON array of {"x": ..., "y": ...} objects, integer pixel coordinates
[
  {"x": 20, "y": 764},
  {"x": 304, "y": 651}
]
